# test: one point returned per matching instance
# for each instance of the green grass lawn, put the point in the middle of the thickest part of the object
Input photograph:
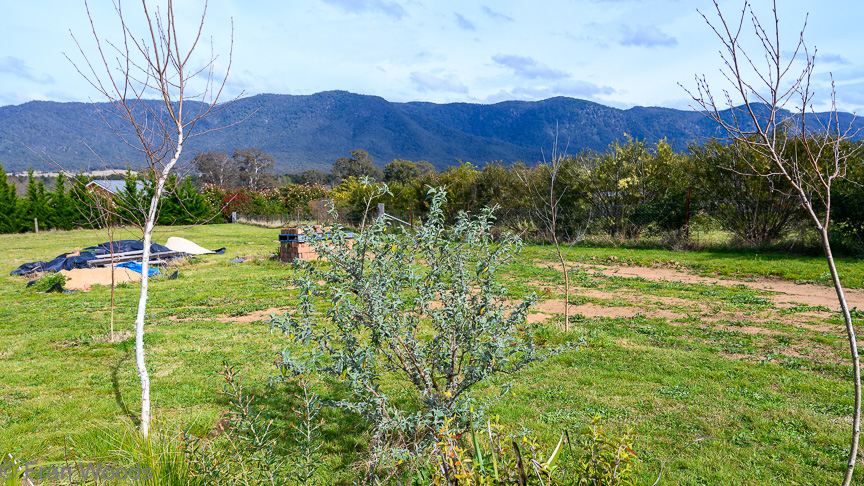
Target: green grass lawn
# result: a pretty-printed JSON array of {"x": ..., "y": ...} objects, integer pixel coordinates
[{"x": 773, "y": 407}]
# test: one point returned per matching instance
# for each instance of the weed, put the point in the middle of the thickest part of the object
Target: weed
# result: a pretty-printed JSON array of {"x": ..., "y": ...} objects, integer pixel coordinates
[
  {"x": 492, "y": 457},
  {"x": 46, "y": 282},
  {"x": 678, "y": 392},
  {"x": 750, "y": 300},
  {"x": 804, "y": 308}
]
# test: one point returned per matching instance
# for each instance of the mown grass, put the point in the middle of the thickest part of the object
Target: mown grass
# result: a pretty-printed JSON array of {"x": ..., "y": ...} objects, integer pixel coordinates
[{"x": 766, "y": 415}]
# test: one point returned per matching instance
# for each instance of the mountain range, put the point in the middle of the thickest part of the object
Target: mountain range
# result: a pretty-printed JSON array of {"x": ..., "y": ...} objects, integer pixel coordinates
[{"x": 312, "y": 131}]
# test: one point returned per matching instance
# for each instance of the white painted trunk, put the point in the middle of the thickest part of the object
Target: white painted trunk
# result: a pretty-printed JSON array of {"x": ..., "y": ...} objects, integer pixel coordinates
[
  {"x": 149, "y": 223},
  {"x": 139, "y": 321}
]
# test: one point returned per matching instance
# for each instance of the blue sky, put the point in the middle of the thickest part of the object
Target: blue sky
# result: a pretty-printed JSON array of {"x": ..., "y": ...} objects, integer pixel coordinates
[{"x": 616, "y": 52}]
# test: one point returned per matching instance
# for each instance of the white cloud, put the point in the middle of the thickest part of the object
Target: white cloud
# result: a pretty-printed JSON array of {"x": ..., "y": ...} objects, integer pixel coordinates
[
  {"x": 16, "y": 67},
  {"x": 830, "y": 58},
  {"x": 572, "y": 87},
  {"x": 431, "y": 82},
  {"x": 646, "y": 36},
  {"x": 392, "y": 9},
  {"x": 464, "y": 23},
  {"x": 496, "y": 15},
  {"x": 527, "y": 67}
]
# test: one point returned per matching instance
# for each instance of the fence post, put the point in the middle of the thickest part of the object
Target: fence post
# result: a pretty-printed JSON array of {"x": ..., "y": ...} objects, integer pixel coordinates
[
  {"x": 380, "y": 210},
  {"x": 36, "y": 224},
  {"x": 687, "y": 216},
  {"x": 233, "y": 216}
]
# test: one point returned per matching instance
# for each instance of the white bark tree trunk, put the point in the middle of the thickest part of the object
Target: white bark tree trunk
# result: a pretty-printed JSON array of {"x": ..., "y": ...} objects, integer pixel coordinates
[{"x": 149, "y": 224}]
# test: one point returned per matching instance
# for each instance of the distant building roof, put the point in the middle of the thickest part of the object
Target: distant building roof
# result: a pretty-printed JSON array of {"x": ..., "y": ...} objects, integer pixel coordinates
[{"x": 113, "y": 187}]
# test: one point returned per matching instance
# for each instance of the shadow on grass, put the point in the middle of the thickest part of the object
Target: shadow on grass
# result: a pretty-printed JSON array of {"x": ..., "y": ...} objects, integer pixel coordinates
[{"x": 115, "y": 384}]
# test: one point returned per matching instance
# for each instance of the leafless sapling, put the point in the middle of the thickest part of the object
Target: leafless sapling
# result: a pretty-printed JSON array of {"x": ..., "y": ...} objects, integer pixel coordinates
[
  {"x": 157, "y": 90},
  {"x": 773, "y": 90}
]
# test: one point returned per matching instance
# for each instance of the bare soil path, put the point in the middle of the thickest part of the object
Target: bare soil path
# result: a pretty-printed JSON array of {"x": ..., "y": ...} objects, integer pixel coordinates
[{"x": 780, "y": 290}]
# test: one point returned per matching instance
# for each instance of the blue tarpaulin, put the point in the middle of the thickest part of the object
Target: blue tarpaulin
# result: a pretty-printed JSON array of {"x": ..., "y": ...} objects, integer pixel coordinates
[{"x": 136, "y": 267}]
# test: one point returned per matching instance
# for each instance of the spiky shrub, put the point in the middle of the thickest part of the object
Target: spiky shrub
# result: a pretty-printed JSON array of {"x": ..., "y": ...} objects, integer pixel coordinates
[
  {"x": 422, "y": 311},
  {"x": 248, "y": 452}
]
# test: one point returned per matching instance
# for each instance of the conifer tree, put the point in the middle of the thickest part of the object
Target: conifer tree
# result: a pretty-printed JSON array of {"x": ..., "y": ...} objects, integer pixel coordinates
[
  {"x": 8, "y": 204},
  {"x": 196, "y": 208},
  {"x": 36, "y": 206},
  {"x": 61, "y": 205},
  {"x": 130, "y": 201},
  {"x": 9, "y": 207},
  {"x": 84, "y": 210},
  {"x": 171, "y": 210}
]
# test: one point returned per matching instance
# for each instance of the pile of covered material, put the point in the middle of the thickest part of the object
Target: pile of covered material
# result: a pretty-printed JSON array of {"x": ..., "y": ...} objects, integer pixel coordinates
[{"x": 101, "y": 255}]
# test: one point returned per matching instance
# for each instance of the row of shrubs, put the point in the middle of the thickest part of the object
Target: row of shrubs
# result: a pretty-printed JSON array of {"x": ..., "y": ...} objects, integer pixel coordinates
[
  {"x": 72, "y": 204},
  {"x": 630, "y": 191}
]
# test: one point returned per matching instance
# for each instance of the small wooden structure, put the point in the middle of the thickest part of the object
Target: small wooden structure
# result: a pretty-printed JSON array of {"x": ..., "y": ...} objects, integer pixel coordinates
[{"x": 294, "y": 243}]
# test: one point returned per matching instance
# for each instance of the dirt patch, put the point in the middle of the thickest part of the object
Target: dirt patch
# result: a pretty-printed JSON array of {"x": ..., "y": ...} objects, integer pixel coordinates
[
  {"x": 751, "y": 330},
  {"x": 253, "y": 316},
  {"x": 556, "y": 306},
  {"x": 538, "y": 317},
  {"x": 779, "y": 290},
  {"x": 674, "y": 309},
  {"x": 117, "y": 337},
  {"x": 588, "y": 293},
  {"x": 84, "y": 278},
  {"x": 823, "y": 327},
  {"x": 791, "y": 352},
  {"x": 553, "y": 306}
]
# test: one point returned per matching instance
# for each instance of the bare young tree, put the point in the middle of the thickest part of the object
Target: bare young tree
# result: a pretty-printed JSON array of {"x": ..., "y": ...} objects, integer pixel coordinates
[
  {"x": 775, "y": 118},
  {"x": 157, "y": 91},
  {"x": 104, "y": 219},
  {"x": 547, "y": 207}
]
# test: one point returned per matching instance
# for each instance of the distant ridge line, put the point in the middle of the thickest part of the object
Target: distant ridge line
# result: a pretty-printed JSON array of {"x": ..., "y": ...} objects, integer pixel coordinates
[{"x": 311, "y": 131}]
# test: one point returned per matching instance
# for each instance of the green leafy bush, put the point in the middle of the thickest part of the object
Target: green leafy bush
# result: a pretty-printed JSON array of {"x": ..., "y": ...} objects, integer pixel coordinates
[{"x": 47, "y": 281}]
